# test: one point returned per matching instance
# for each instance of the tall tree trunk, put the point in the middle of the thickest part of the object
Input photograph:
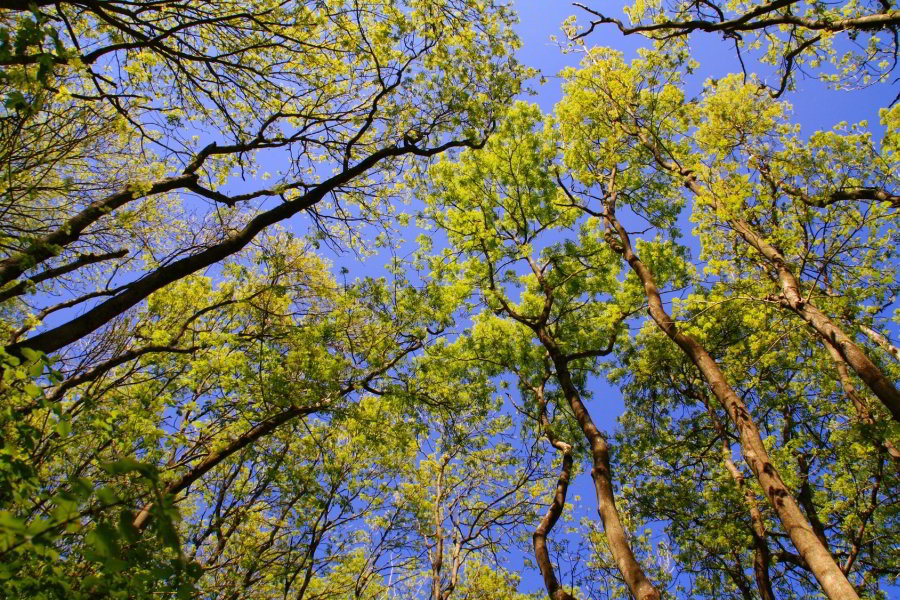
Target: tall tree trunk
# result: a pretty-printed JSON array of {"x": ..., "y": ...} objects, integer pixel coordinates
[
  {"x": 792, "y": 297},
  {"x": 762, "y": 557},
  {"x": 826, "y": 571},
  {"x": 619, "y": 545},
  {"x": 437, "y": 556},
  {"x": 830, "y": 333},
  {"x": 554, "y": 511}
]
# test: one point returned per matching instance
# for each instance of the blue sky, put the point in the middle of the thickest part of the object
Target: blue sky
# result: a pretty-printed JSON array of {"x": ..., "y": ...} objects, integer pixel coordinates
[{"x": 815, "y": 105}]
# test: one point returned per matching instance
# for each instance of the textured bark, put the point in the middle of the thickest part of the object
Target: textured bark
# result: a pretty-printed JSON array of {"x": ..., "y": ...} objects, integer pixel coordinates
[
  {"x": 616, "y": 536},
  {"x": 826, "y": 571},
  {"x": 792, "y": 297},
  {"x": 541, "y": 553}
]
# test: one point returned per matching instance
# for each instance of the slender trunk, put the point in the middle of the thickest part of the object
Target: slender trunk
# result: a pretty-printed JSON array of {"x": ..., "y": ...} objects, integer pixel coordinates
[
  {"x": 437, "y": 557},
  {"x": 792, "y": 298},
  {"x": 619, "y": 545},
  {"x": 455, "y": 566},
  {"x": 762, "y": 557},
  {"x": 864, "y": 518},
  {"x": 871, "y": 375},
  {"x": 881, "y": 341},
  {"x": 541, "y": 553},
  {"x": 554, "y": 511},
  {"x": 805, "y": 497},
  {"x": 833, "y": 581}
]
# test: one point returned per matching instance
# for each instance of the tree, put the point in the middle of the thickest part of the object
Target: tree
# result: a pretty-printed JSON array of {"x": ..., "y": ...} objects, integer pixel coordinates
[
  {"x": 231, "y": 396},
  {"x": 493, "y": 206},
  {"x": 858, "y": 39},
  {"x": 195, "y": 402},
  {"x": 631, "y": 144},
  {"x": 188, "y": 118}
]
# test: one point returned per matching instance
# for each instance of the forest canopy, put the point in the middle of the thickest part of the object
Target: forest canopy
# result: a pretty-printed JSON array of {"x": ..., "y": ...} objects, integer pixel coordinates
[{"x": 313, "y": 300}]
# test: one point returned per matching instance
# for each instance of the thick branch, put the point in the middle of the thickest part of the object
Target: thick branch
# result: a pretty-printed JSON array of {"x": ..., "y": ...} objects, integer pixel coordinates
[
  {"x": 63, "y": 335},
  {"x": 50, "y": 245},
  {"x": 197, "y": 471}
]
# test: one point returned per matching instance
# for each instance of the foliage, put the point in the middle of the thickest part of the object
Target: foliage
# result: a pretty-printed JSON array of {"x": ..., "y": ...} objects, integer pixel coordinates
[{"x": 210, "y": 390}]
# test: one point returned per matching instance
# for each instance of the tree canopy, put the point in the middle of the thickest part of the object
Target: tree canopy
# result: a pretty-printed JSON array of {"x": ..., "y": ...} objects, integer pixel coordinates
[{"x": 310, "y": 300}]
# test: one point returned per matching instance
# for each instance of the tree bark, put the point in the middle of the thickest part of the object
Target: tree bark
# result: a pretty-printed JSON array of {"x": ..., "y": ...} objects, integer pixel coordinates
[
  {"x": 792, "y": 298},
  {"x": 601, "y": 473},
  {"x": 881, "y": 341},
  {"x": 830, "y": 333},
  {"x": 826, "y": 571},
  {"x": 541, "y": 553},
  {"x": 859, "y": 403},
  {"x": 762, "y": 557}
]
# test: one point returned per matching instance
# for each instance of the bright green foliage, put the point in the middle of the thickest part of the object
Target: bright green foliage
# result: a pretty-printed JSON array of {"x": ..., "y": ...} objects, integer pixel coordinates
[
  {"x": 815, "y": 201},
  {"x": 541, "y": 268},
  {"x": 89, "y": 514},
  {"x": 196, "y": 403}
]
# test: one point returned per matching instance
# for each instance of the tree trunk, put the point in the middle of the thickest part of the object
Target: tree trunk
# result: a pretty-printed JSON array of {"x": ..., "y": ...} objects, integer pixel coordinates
[
  {"x": 762, "y": 557},
  {"x": 881, "y": 341},
  {"x": 871, "y": 375},
  {"x": 833, "y": 581},
  {"x": 859, "y": 403},
  {"x": 541, "y": 552},
  {"x": 619, "y": 545}
]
